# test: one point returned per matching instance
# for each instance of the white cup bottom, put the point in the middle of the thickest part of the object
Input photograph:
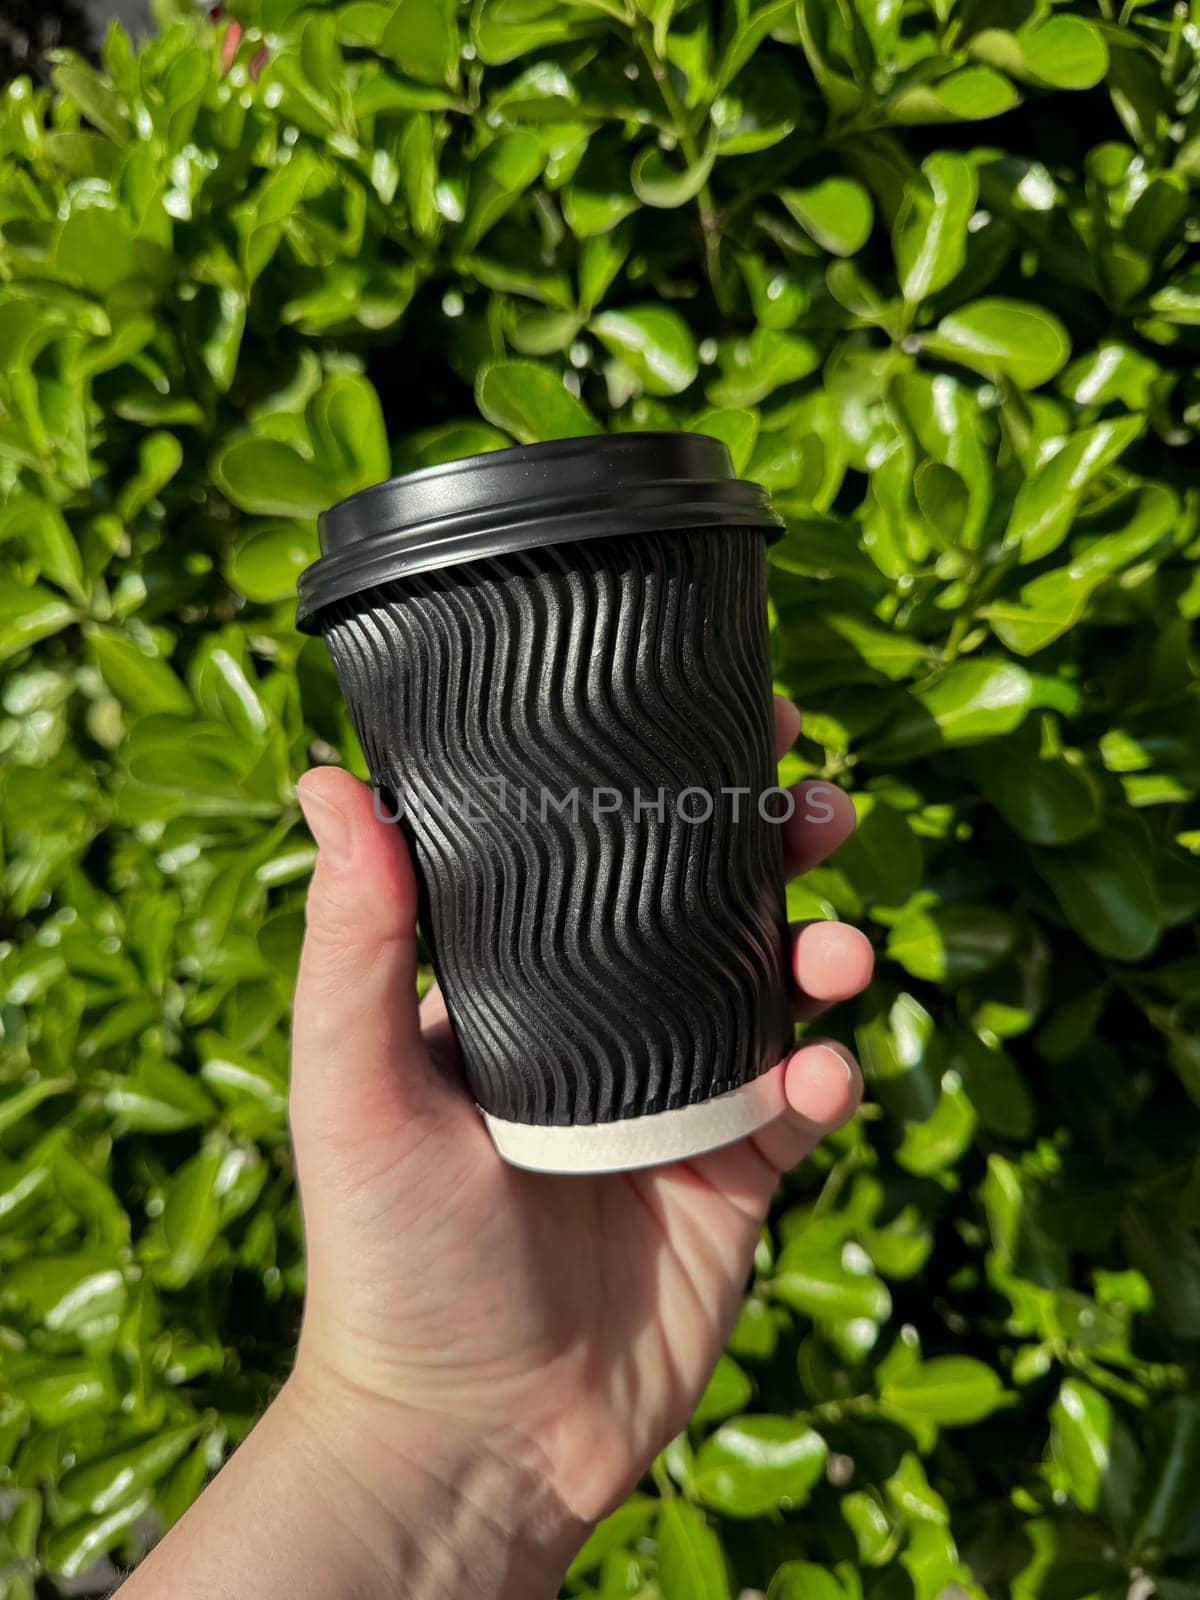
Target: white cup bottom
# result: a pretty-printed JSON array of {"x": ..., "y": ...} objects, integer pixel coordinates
[{"x": 641, "y": 1141}]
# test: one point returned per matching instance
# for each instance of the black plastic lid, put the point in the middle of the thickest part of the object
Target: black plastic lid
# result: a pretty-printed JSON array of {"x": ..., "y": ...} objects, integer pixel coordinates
[{"x": 517, "y": 499}]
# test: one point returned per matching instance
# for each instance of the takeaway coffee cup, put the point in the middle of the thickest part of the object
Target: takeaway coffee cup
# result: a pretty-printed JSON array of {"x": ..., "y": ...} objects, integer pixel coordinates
[{"x": 556, "y": 660}]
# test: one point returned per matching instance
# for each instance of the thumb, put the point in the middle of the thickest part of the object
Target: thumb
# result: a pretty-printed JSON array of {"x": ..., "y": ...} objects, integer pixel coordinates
[
  {"x": 822, "y": 1088},
  {"x": 356, "y": 1035}
]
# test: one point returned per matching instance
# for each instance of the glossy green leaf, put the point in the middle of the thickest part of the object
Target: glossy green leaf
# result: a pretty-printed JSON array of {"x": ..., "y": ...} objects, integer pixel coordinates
[
  {"x": 835, "y": 212},
  {"x": 504, "y": 172},
  {"x": 530, "y": 403},
  {"x": 657, "y": 182},
  {"x": 941, "y": 1139},
  {"x": 757, "y": 1464},
  {"x": 951, "y": 1391},
  {"x": 1049, "y": 499},
  {"x": 1067, "y": 52},
  {"x": 968, "y": 95},
  {"x": 422, "y": 39},
  {"x": 273, "y": 479},
  {"x": 967, "y": 703},
  {"x": 1002, "y": 339},
  {"x": 1090, "y": 1448},
  {"x": 72, "y": 1550},
  {"x": 654, "y": 342},
  {"x": 929, "y": 237},
  {"x": 830, "y": 1284},
  {"x": 691, "y": 1565},
  {"x": 100, "y": 1486},
  {"x": 265, "y": 565},
  {"x": 727, "y": 1392},
  {"x": 43, "y": 530},
  {"x": 951, "y": 943},
  {"x": 27, "y": 614}
]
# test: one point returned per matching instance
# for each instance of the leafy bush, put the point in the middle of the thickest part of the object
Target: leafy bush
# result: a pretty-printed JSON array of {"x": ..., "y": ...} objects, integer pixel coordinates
[{"x": 931, "y": 272}]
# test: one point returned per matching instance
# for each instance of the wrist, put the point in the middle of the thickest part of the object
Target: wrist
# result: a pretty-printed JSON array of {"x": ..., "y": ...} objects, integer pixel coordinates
[{"x": 441, "y": 1505}]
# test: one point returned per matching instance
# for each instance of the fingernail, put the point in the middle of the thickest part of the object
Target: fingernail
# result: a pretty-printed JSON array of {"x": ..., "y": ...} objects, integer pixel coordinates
[
  {"x": 846, "y": 1067},
  {"x": 822, "y": 1054},
  {"x": 328, "y": 827}
]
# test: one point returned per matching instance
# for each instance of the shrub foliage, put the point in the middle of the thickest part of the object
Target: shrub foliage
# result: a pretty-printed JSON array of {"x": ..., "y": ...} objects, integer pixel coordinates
[{"x": 931, "y": 271}]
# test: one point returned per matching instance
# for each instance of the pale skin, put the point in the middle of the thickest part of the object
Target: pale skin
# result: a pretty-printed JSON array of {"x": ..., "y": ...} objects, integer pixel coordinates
[{"x": 489, "y": 1358}]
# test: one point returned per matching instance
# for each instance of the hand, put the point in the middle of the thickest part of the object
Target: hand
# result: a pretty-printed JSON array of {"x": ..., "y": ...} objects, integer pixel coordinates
[{"x": 572, "y": 1321}]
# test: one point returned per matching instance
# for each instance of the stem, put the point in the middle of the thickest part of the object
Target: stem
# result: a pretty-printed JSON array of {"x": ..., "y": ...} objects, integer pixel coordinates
[{"x": 682, "y": 128}]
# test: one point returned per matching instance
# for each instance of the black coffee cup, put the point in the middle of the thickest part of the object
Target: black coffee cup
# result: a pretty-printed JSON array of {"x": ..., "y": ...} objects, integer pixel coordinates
[{"x": 556, "y": 659}]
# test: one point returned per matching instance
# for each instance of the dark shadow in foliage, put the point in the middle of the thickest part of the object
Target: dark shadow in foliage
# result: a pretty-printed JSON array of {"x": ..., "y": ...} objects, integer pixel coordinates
[{"x": 30, "y": 29}]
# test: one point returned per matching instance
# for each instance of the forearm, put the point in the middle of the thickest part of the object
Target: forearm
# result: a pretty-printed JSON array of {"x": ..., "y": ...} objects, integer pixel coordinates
[{"x": 322, "y": 1502}]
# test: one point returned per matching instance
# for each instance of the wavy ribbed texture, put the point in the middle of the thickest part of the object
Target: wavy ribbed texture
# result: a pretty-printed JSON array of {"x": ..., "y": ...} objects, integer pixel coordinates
[{"x": 601, "y": 965}]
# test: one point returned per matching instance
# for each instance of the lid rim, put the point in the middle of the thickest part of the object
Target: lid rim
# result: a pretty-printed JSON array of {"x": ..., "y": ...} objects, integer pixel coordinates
[
  {"x": 319, "y": 590},
  {"x": 530, "y": 496}
]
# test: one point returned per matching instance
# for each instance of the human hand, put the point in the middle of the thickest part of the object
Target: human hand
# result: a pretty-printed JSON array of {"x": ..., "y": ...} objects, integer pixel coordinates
[{"x": 478, "y": 1307}]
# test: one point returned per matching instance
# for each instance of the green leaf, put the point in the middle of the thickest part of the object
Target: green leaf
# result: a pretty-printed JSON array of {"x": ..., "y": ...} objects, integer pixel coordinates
[
  {"x": 758, "y": 1464},
  {"x": 765, "y": 16},
  {"x": 530, "y": 403},
  {"x": 100, "y": 1486},
  {"x": 630, "y": 1521},
  {"x": 656, "y": 182},
  {"x": 271, "y": 478},
  {"x": 836, "y": 212},
  {"x": 691, "y": 1566},
  {"x": 96, "y": 98},
  {"x": 144, "y": 683},
  {"x": 422, "y": 39},
  {"x": 654, "y": 342},
  {"x": 507, "y": 29},
  {"x": 1066, "y": 52},
  {"x": 882, "y": 857},
  {"x": 1043, "y": 796},
  {"x": 735, "y": 427},
  {"x": 1105, "y": 887},
  {"x": 968, "y": 95},
  {"x": 1165, "y": 1498},
  {"x": 498, "y": 180},
  {"x": 191, "y": 1218},
  {"x": 929, "y": 237},
  {"x": 727, "y": 1392},
  {"x": 832, "y": 1284},
  {"x": 801, "y": 1580},
  {"x": 29, "y": 613},
  {"x": 941, "y": 1139},
  {"x": 1082, "y": 1430},
  {"x": 158, "y": 1097},
  {"x": 265, "y": 564},
  {"x": 951, "y": 1391},
  {"x": 951, "y": 944},
  {"x": 968, "y": 703},
  {"x": 22, "y": 1101},
  {"x": 43, "y": 530},
  {"x": 993, "y": 1084},
  {"x": 755, "y": 367},
  {"x": 72, "y": 1550},
  {"x": 1048, "y": 500},
  {"x": 944, "y": 499},
  {"x": 1002, "y": 339},
  {"x": 81, "y": 1293}
]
